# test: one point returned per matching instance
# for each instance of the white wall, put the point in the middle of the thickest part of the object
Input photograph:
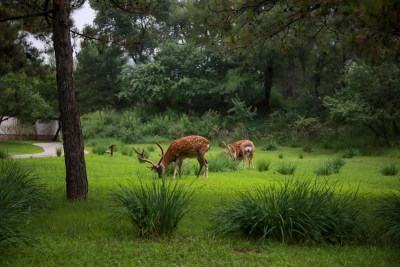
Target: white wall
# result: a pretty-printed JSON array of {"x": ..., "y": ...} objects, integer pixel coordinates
[{"x": 13, "y": 126}]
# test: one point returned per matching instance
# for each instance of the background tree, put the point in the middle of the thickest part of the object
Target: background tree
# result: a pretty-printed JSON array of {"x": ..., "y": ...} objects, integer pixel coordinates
[
  {"x": 20, "y": 98},
  {"x": 96, "y": 76},
  {"x": 370, "y": 98},
  {"x": 182, "y": 76}
]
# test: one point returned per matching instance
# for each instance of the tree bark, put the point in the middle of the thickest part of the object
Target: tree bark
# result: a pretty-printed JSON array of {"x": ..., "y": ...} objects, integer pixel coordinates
[{"x": 76, "y": 177}]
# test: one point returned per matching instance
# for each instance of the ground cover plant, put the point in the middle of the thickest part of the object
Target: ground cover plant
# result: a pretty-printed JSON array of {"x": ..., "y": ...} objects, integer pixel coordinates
[{"x": 76, "y": 232}]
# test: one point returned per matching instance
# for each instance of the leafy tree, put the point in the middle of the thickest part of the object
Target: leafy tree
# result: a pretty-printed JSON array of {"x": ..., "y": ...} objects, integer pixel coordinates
[
  {"x": 181, "y": 75},
  {"x": 239, "y": 111},
  {"x": 371, "y": 98},
  {"x": 20, "y": 99},
  {"x": 96, "y": 76},
  {"x": 136, "y": 27}
]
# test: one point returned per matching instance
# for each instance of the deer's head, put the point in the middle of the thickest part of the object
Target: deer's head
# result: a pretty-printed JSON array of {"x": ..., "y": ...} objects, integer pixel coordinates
[
  {"x": 229, "y": 150},
  {"x": 159, "y": 167}
]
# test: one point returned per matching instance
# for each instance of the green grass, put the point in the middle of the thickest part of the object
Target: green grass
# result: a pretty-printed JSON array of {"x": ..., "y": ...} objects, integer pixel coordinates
[
  {"x": 21, "y": 147},
  {"x": 76, "y": 233}
]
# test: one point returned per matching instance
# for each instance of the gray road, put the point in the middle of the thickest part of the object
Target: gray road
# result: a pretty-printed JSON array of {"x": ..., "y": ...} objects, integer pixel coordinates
[{"x": 49, "y": 151}]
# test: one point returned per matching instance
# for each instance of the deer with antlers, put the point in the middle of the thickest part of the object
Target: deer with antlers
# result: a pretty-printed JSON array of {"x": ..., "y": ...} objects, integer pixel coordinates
[
  {"x": 241, "y": 149},
  {"x": 186, "y": 147}
]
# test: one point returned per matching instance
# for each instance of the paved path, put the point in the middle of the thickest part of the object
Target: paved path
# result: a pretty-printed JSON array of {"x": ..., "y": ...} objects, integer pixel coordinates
[{"x": 49, "y": 151}]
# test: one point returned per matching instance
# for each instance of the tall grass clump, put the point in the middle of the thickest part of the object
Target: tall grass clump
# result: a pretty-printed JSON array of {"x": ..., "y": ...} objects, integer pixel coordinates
[
  {"x": 287, "y": 168},
  {"x": 222, "y": 163},
  {"x": 349, "y": 153},
  {"x": 293, "y": 212},
  {"x": 388, "y": 212},
  {"x": 21, "y": 195},
  {"x": 155, "y": 209},
  {"x": 59, "y": 151},
  {"x": 390, "y": 169},
  {"x": 263, "y": 165},
  {"x": 330, "y": 167}
]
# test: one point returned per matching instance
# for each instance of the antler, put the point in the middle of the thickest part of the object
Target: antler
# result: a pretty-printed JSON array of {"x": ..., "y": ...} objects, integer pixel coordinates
[
  {"x": 144, "y": 159},
  {"x": 162, "y": 150}
]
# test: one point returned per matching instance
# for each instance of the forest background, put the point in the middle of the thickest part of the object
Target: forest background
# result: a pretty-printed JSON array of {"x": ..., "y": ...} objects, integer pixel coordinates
[{"x": 278, "y": 72}]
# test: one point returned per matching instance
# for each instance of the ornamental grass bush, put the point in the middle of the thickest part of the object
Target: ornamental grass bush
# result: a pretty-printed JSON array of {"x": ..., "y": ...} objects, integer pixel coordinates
[
  {"x": 330, "y": 167},
  {"x": 287, "y": 168},
  {"x": 21, "y": 196},
  {"x": 154, "y": 209},
  {"x": 390, "y": 169},
  {"x": 388, "y": 215},
  {"x": 295, "y": 211},
  {"x": 263, "y": 165}
]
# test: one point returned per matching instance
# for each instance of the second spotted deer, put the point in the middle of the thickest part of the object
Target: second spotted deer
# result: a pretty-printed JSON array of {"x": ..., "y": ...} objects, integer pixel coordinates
[{"x": 241, "y": 149}]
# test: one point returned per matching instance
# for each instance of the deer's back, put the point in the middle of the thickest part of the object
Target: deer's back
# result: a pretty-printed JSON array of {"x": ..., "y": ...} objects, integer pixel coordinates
[{"x": 188, "y": 147}]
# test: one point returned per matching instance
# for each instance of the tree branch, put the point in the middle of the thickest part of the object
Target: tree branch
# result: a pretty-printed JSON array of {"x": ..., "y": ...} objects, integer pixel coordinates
[{"x": 27, "y": 16}]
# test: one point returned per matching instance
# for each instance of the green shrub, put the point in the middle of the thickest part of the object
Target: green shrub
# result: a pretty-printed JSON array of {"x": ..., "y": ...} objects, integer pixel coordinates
[
  {"x": 59, "y": 151},
  {"x": 154, "y": 209},
  {"x": 390, "y": 169},
  {"x": 287, "y": 168},
  {"x": 330, "y": 167},
  {"x": 263, "y": 165},
  {"x": 349, "y": 153},
  {"x": 222, "y": 163},
  {"x": 300, "y": 156},
  {"x": 280, "y": 155},
  {"x": 20, "y": 197},
  {"x": 388, "y": 211},
  {"x": 294, "y": 211},
  {"x": 100, "y": 148},
  {"x": 270, "y": 146},
  {"x": 4, "y": 154},
  {"x": 126, "y": 150}
]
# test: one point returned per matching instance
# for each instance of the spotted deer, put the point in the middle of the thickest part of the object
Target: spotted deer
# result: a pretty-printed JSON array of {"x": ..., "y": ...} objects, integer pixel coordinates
[
  {"x": 193, "y": 146},
  {"x": 241, "y": 149}
]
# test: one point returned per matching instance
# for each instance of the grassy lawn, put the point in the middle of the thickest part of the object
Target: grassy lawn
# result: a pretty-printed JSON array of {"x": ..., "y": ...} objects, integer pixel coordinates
[
  {"x": 80, "y": 233},
  {"x": 20, "y": 147}
]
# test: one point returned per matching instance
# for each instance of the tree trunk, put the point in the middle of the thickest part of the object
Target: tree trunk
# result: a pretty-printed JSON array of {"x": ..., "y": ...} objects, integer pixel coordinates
[
  {"x": 268, "y": 85},
  {"x": 76, "y": 178}
]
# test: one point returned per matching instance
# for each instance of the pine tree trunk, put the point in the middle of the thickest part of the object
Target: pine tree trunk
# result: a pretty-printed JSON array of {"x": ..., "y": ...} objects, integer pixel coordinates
[{"x": 76, "y": 178}]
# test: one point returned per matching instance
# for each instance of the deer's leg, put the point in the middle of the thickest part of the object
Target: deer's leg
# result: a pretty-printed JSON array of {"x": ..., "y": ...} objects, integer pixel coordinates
[
  {"x": 203, "y": 162},
  {"x": 251, "y": 160},
  {"x": 180, "y": 167},
  {"x": 244, "y": 160},
  {"x": 176, "y": 167}
]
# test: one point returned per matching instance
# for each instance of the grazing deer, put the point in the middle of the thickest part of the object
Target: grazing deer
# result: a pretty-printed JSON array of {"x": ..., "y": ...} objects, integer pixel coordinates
[
  {"x": 241, "y": 149},
  {"x": 186, "y": 147}
]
